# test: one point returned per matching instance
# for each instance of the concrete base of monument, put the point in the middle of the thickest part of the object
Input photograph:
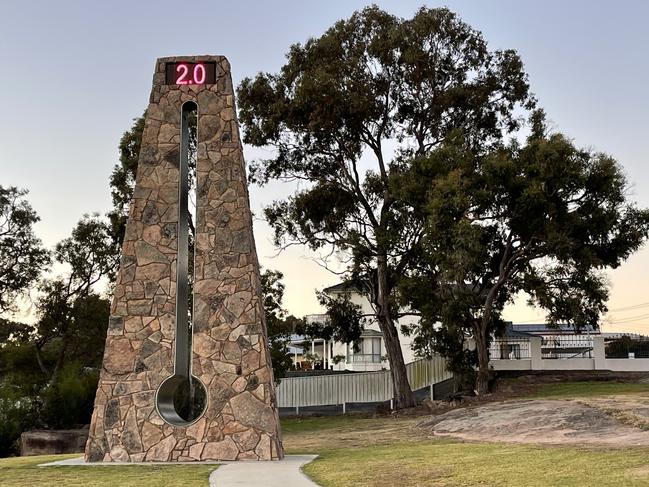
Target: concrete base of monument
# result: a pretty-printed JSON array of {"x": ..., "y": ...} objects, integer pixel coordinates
[{"x": 245, "y": 473}]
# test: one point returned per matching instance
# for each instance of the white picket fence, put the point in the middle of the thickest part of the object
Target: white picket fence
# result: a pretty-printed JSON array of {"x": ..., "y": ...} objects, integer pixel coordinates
[{"x": 323, "y": 390}]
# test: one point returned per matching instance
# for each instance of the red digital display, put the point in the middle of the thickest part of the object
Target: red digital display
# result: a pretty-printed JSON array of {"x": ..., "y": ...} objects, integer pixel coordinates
[{"x": 184, "y": 74}]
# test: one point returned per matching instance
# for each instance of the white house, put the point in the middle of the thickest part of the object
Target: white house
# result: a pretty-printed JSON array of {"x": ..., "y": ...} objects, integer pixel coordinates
[
  {"x": 371, "y": 355},
  {"x": 518, "y": 344}
]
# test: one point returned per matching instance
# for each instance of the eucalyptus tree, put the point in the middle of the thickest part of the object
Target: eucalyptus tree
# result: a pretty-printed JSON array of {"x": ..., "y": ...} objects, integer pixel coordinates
[
  {"x": 122, "y": 179},
  {"x": 544, "y": 217},
  {"x": 22, "y": 255},
  {"x": 371, "y": 82},
  {"x": 68, "y": 306}
]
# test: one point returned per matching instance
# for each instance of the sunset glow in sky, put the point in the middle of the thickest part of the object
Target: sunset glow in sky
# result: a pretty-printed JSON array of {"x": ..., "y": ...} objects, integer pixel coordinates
[{"x": 75, "y": 74}]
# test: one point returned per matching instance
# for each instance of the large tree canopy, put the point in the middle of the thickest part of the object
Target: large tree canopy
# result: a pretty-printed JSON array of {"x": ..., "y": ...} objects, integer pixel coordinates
[
  {"x": 369, "y": 81},
  {"x": 544, "y": 217},
  {"x": 22, "y": 256},
  {"x": 49, "y": 369},
  {"x": 68, "y": 308}
]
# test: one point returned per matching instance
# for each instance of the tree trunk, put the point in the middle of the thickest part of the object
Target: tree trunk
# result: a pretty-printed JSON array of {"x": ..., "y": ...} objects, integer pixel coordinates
[
  {"x": 403, "y": 395},
  {"x": 59, "y": 361},
  {"x": 39, "y": 359},
  {"x": 482, "y": 381}
]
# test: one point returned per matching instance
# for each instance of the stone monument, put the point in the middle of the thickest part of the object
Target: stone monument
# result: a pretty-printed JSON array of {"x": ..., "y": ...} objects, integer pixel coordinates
[{"x": 183, "y": 379}]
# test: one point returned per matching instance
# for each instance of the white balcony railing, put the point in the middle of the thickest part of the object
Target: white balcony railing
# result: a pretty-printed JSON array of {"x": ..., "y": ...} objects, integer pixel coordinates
[{"x": 364, "y": 358}]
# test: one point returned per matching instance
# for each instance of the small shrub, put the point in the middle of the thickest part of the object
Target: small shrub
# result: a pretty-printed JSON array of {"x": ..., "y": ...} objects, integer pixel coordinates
[
  {"x": 69, "y": 402},
  {"x": 17, "y": 414}
]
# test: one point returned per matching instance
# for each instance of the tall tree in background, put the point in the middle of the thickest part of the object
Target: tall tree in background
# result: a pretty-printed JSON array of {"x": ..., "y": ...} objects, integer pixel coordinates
[
  {"x": 544, "y": 217},
  {"x": 49, "y": 369},
  {"x": 68, "y": 308},
  {"x": 329, "y": 114},
  {"x": 122, "y": 179},
  {"x": 22, "y": 256}
]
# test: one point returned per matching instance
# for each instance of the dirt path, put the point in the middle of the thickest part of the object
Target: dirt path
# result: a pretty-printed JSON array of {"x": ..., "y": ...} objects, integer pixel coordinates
[{"x": 589, "y": 422}]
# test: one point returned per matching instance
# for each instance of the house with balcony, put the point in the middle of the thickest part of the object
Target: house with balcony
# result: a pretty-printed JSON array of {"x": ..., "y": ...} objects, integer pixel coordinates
[
  {"x": 543, "y": 347},
  {"x": 523, "y": 346},
  {"x": 369, "y": 355},
  {"x": 557, "y": 342}
]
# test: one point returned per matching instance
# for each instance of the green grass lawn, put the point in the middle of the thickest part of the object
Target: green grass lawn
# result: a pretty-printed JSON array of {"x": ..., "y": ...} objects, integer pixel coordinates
[
  {"x": 23, "y": 472},
  {"x": 448, "y": 463},
  {"x": 569, "y": 390},
  {"x": 354, "y": 451},
  {"x": 389, "y": 451}
]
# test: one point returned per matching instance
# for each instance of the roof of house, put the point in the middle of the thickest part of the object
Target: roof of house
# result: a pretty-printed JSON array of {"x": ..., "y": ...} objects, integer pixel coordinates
[
  {"x": 371, "y": 333},
  {"x": 316, "y": 318},
  {"x": 341, "y": 287},
  {"x": 560, "y": 328},
  {"x": 620, "y": 334},
  {"x": 512, "y": 333}
]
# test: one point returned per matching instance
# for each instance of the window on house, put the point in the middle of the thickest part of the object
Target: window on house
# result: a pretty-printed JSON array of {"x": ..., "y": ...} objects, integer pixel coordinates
[
  {"x": 369, "y": 351},
  {"x": 373, "y": 350}
]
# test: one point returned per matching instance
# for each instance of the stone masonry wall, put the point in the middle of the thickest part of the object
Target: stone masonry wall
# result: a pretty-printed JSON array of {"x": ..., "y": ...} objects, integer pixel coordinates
[{"x": 230, "y": 355}]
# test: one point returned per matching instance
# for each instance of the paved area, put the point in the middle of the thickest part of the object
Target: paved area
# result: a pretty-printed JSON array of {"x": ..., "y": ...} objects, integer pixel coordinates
[{"x": 284, "y": 473}]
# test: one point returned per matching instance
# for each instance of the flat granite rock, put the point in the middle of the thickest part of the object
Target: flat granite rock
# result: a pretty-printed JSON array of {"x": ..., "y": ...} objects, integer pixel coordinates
[{"x": 569, "y": 422}]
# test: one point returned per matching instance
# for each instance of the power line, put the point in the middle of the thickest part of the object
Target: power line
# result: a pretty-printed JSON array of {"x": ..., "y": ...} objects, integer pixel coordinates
[
  {"x": 622, "y": 320},
  {"x": 634, "y": 306},
  {"x": 630, "y": 318}
]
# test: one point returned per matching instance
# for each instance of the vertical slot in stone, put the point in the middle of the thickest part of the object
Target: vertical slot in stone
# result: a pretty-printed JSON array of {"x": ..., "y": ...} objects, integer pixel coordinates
[{"x": 181, "y": 399}]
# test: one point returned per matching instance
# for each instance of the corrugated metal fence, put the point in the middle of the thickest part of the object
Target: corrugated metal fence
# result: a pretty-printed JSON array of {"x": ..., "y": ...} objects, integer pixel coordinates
[{"x": 359, "y": 387}]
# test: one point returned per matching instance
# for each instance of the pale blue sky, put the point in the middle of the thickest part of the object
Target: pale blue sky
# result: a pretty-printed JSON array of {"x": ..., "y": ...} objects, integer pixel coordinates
[{"x": 74, "y": 74}]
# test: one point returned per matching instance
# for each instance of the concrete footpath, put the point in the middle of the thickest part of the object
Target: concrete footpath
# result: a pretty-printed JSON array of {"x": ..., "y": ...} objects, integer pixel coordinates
[{"x": 283, "y": 473}]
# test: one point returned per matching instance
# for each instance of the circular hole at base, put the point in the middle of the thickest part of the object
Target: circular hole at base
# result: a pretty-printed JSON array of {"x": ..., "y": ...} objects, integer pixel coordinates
[{"x": 181, "y": 401}]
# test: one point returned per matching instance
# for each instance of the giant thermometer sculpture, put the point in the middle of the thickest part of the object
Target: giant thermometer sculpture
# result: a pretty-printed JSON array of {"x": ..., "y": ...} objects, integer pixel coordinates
[
  {"x": 171, "y": 390},
  {"x": 180, "y": 399}
]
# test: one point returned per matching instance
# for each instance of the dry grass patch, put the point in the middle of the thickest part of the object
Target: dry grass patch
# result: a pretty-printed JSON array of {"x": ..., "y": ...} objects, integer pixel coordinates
[
  {"x": 631, "y": 409},
  {"x": 570, "y": 390},
  {"x": 311, "y": 435}
]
